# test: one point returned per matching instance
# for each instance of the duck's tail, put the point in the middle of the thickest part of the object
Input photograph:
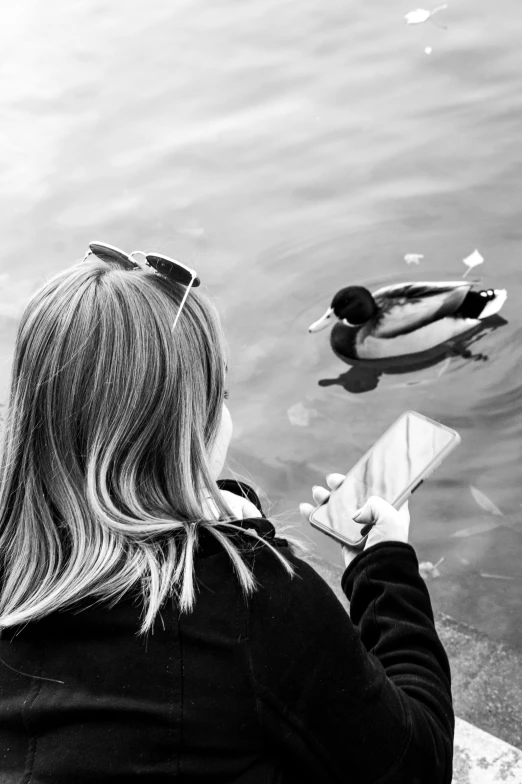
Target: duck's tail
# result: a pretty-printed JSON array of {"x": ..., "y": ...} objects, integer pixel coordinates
[{"x": 482, "y": 304}]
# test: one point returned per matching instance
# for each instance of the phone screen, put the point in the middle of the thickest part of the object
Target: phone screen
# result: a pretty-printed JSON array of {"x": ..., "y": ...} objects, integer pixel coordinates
[{"x": 391, "y": 469}]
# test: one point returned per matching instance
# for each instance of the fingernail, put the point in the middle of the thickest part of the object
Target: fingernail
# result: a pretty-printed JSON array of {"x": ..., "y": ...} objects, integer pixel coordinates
[
  {"x": 314, "y": 488},
  {"x": 356, "y": 516}
]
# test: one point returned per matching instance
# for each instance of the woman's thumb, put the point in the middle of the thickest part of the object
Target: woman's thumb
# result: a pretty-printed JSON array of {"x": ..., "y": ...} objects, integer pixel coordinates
[{"x": 370, "y": 511}]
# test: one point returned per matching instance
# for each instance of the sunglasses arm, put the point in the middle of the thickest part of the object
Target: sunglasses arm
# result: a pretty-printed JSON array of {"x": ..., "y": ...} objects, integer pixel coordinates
[{"x": 185, "y": 295}]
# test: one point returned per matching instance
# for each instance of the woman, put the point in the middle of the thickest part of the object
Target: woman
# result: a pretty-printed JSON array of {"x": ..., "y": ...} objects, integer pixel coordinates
[{"x": 153, "y": 626}]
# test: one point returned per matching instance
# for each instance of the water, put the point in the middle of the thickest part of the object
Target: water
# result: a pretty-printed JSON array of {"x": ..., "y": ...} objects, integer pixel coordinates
[{"x": 286, "y": 150}]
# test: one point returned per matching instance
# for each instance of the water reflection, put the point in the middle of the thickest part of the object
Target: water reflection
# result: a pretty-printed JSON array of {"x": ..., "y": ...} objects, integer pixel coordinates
[{"x": 364, "y": 376}]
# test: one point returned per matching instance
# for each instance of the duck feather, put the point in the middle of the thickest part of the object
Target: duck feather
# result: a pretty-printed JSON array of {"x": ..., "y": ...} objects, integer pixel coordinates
[
  {"x": 369, "y": 346},
  {"x": 411, "y": 306}
]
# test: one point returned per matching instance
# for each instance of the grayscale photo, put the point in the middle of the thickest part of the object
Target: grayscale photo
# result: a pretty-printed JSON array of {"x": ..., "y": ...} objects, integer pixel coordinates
[{"x": 261, "y": 392}]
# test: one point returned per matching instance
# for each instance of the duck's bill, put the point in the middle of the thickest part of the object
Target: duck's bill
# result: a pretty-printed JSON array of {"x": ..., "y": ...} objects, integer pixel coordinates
[{"x": 323, "y": 322}]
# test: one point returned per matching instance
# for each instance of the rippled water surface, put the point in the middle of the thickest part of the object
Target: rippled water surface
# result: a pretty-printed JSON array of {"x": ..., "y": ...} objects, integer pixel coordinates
[{"x": 287, "y": 150}]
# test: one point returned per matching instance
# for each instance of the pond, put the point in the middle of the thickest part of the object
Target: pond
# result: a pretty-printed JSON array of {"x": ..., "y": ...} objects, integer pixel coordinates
[{"x": 286, "y": 150}]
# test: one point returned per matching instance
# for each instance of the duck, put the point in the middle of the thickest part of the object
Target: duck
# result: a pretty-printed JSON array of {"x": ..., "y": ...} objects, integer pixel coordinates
[{"x": 405, "y": 318}]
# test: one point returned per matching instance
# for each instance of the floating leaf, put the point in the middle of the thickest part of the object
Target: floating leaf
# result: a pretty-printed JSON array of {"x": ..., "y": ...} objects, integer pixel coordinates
[
  {"x": 497, "y": 576},
  {"x": 422, "y": 15},
  {"x": 300, "y": 415},
  {"x": 473, "y": 260},
  {"x": 413, "y": 258},
  {"x": 480, "y": 528},
  {"x": 485, "y": 502},
  {"x": 427, "y": 569}
]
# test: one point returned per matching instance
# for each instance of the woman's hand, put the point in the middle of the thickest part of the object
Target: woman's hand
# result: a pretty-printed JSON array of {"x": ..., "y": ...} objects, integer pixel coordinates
[
  {"x": 241, "y": 507},
  {"x": 320, "y": 495},
  {"x": 388, "y": 524}
]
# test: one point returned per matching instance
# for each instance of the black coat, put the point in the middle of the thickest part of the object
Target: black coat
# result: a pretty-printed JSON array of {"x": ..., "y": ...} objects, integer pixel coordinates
[{"x": 283, "y": 687}]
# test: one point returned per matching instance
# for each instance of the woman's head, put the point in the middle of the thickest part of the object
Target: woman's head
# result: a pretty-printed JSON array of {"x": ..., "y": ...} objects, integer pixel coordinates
[
  {"x": 106, "y": 389},
  {"x": 115, "y": 433}
]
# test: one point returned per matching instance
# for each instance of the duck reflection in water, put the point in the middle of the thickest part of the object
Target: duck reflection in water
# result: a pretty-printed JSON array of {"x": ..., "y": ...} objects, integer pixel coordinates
[{"x": 364, "y": 375}]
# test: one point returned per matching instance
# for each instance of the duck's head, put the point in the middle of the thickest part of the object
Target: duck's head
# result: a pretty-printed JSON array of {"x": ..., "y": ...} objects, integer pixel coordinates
[{"x": 353, "y": 305}]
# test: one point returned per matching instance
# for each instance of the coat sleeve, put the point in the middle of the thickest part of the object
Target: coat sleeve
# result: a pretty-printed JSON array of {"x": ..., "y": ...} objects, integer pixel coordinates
[{"x": 366, "y": 699}]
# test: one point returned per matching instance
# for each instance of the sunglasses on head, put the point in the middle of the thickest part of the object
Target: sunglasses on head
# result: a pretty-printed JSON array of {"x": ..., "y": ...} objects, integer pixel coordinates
[{"x": 163, "y": 265}]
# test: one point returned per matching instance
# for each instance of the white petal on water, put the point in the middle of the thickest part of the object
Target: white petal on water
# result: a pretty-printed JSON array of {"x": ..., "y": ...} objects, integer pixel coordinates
[
  {"x": 300, "y": 415},
  {"x": 480, "y": 528},
  {"x": 422, "y": 15},
  {"x": 485, "y": 502},
  {"x": 472, "y": 261},
  {"x": 417, "y": 16},
  {"x": 413, "y": 258}
]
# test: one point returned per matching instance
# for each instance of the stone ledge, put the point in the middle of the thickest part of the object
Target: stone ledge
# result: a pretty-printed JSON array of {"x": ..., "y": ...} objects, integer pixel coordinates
[{"x": 480, "y": 758}]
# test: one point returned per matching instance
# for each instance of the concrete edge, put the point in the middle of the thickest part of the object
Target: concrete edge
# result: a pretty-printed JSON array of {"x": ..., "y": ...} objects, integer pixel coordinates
[{"x": 480, "y": 758}]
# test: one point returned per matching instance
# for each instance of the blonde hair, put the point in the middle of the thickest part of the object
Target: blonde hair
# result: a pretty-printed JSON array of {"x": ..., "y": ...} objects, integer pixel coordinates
[{"x": 105, "y": 460}]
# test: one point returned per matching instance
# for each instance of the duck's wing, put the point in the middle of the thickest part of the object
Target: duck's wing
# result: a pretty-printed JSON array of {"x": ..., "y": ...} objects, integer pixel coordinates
[{"x": 409, "y": 306}]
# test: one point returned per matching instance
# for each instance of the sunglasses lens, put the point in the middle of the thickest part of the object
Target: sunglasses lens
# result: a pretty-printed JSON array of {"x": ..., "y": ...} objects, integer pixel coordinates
[
  {"x": 172, "y": 270},
  {"x": 108, "y": 253}
]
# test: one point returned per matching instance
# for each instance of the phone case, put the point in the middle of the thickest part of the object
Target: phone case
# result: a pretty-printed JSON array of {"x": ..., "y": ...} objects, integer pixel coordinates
[{"x": 408, "y": 489}]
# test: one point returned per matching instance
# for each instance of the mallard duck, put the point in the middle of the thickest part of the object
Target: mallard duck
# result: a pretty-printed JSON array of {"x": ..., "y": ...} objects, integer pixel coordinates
[{"x": 406, "y": 318}]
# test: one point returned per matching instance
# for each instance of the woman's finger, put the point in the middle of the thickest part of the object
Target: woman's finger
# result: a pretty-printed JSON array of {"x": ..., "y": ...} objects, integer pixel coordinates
[
  {"x": 387, "y": 524},
  {"x": 334, "y": 480},
  {"x": 306, "y": 510},
  {"x": 377, "y": 510},
  {"x": 320, "y": 494}
]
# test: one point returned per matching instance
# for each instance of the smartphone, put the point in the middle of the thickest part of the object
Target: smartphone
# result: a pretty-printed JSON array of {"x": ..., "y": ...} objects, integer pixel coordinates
[{"x": 408, "y": 452}]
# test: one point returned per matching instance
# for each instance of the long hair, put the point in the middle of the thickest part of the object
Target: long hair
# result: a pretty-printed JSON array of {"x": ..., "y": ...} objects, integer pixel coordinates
[{"x": 105, "y": 459}]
